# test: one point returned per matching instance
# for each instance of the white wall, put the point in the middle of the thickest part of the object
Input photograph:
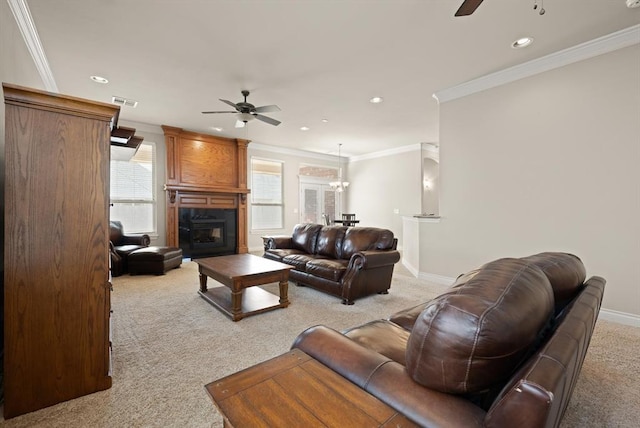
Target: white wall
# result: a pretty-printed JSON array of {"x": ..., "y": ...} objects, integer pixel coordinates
[
  {"x": 16, "y": 67},
  {"x": 546, "y": 163},
  {"x": 292, "y": 162},
  {"x": 383, "y": 184}
]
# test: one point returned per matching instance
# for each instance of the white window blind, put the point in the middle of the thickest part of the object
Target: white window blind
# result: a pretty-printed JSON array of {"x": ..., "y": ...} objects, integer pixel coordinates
[
  {"x": 266, "y": 194},
  {"x": 133, "y": 191}
]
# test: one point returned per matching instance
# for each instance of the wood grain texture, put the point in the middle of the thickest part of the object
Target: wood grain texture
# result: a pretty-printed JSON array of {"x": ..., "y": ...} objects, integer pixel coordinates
[
  {"x": 56, "y": 250},
  {"x": 294, "y": 389},
  {"x": 206, "y": 171}
]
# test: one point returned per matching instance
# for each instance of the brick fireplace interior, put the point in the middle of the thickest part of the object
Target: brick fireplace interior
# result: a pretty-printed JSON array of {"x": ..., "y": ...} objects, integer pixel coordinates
[{"x": 206, "y": 193}]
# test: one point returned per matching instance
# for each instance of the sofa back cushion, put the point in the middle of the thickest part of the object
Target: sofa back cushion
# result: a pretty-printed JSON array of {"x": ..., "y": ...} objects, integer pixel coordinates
[
  {"x": 115, "y": 232},
  {"x": 330, "y": 241},
  {"x": 305, "y": 236},
  {"x": 475, "y": 335},
  {"x": 365, "y": 239},
  {"x": 566, "y": 274}
]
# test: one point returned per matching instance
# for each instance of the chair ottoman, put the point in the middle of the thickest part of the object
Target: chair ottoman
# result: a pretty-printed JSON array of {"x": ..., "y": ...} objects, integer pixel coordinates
[{"x": 154, "y": 260}]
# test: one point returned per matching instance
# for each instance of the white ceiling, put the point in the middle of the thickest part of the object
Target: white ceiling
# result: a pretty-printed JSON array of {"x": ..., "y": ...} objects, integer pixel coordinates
[{"x": 315, "y": 59}]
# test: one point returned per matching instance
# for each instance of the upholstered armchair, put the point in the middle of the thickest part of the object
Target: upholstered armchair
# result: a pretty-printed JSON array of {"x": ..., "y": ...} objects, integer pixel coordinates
[{"x": 122, "y": 245}]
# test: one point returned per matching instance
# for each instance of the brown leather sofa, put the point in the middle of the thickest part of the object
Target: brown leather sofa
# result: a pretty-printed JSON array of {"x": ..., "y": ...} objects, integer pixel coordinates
[
  {"x": 348, "y": 262},
  {"x": 502, "y": 348}
]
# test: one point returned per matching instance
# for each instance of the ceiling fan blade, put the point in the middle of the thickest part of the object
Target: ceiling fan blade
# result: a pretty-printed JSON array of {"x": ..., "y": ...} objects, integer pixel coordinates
[
  {"x": 210, "y": 112},
  {"x": 240, "y": 124},
  {"x": 266, "y": 109},
  {"x": 468, "y": 7},
  {"x": 230, "y": 103},
  {"x": 268, "y": 120}
]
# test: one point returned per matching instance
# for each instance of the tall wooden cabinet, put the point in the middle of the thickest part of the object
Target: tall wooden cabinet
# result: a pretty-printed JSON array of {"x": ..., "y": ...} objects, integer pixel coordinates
[{"x": 57, "y": 283}]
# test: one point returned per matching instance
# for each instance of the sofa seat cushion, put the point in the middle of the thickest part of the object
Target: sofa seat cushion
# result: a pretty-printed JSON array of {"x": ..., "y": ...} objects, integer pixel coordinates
[
  {"x": 472, "y": 337},
  {"x": 382, "y": 336},
  {"x": 280, "y": 253},
  {"x": 298, "y": 261},
  {"x": 330, "y": 269},
  {"x": 125, "y": 250}
]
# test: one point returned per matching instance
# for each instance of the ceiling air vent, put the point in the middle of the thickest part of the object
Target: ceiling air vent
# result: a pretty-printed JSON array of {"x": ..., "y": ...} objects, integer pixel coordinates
[{"x": 121, "y": 101}]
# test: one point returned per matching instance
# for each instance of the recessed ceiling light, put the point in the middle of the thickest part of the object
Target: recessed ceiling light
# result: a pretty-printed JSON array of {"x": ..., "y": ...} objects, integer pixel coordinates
[
  {"x": 304, "y": 128},
  {"x": 325, "y": 120},
  {"x": 217, "y": 128},
  {"x": 522, "y": 42},
  {"x": 99, "y": 79},
  {"x": 376, "y": 100},
  {"x": 633, "y": 3}
]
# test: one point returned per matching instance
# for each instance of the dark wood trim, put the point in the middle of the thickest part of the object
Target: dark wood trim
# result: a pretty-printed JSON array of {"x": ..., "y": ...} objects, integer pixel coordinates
[{"x": 205, "y": 171}]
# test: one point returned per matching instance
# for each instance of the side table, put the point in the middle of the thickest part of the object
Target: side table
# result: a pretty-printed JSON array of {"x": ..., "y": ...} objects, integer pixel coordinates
[{"x": 294, "y": 389}]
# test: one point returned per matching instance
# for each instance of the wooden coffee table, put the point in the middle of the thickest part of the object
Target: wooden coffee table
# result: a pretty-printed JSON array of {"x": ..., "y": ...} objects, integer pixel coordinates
[
  {"x": 240, "y": 273},
  {"x": 295, "y": 390}
]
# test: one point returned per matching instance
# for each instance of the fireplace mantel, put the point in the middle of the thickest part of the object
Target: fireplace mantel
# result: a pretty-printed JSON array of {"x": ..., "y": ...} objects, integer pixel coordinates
[{"x": 205, "y": 171}]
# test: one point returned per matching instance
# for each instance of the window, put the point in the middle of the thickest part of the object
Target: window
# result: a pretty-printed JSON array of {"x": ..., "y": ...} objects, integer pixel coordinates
[
  {"x": 266, "y": 194},
  {"x": 133, "y": 196}
]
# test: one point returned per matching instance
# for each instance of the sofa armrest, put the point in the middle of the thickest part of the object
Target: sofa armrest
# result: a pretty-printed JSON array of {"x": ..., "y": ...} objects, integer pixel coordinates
[
  {"x": 387, "y": 380},
  {"x": 142, "y": 239},
  {"x": 339, "y": 353},
  {"x": 277, "y": 241},
  {"x": 377, "y": 258}
]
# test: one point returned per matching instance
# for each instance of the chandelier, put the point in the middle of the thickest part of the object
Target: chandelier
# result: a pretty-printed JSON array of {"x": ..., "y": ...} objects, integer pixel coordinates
[{"x": 339, "y": 186}]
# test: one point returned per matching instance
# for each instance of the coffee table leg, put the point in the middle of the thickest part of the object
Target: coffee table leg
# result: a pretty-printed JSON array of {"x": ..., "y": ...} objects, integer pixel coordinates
[
  {"x": 236, "y": 305},
  {"x": 284, "y": 292},
  {"x": 203, "y": 283}
]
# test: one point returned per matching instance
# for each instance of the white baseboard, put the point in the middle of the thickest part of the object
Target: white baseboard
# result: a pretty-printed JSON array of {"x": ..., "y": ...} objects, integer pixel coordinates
[
  {"x": 438, "y": 279},
  {"x": 410, "y": 268},
  {"x": 620, "y": 317}
]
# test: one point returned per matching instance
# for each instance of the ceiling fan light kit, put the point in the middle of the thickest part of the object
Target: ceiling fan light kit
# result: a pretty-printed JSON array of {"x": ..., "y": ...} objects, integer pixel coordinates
[{"x": 244, "y": 117}]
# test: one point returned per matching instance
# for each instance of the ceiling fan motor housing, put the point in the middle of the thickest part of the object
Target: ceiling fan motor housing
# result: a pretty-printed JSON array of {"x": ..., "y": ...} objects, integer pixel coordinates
[{"x": 245, "y": 107}]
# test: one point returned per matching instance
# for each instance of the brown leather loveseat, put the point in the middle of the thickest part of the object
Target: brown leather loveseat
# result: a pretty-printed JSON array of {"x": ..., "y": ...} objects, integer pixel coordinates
[
  {"x": 348, "y": 262},
  {"x": 502, "y": 348}
]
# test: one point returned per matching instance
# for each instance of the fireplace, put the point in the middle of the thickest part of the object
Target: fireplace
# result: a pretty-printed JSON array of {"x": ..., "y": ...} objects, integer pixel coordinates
[
  {"x": 206, "y": 193},
  {"x": 205, "y": 232}
]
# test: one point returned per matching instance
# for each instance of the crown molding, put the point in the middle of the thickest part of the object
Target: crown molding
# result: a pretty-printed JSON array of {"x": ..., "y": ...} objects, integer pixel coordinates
[
  {"x": 313, "y": 155},
  {"x": 291, "y": 152},
  {"x": 605, "y": 44},
  {"x": 22, "y": 15},
  {"x": 142, "y": 126},
  {"x": 385, "y": 153}
]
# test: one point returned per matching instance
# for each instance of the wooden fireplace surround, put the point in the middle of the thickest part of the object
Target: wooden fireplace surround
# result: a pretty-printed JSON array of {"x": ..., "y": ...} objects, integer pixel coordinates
[{"x": 205, "y": 171}]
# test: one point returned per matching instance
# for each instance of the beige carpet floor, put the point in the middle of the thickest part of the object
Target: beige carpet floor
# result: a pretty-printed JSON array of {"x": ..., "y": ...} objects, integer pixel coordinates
[{"x": 168, "y": 343}]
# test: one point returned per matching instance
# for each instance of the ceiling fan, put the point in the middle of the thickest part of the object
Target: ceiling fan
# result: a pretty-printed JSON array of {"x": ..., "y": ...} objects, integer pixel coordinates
[
  {"x": 468, "y": 7},
  {"x": 246, "y": 111}
]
